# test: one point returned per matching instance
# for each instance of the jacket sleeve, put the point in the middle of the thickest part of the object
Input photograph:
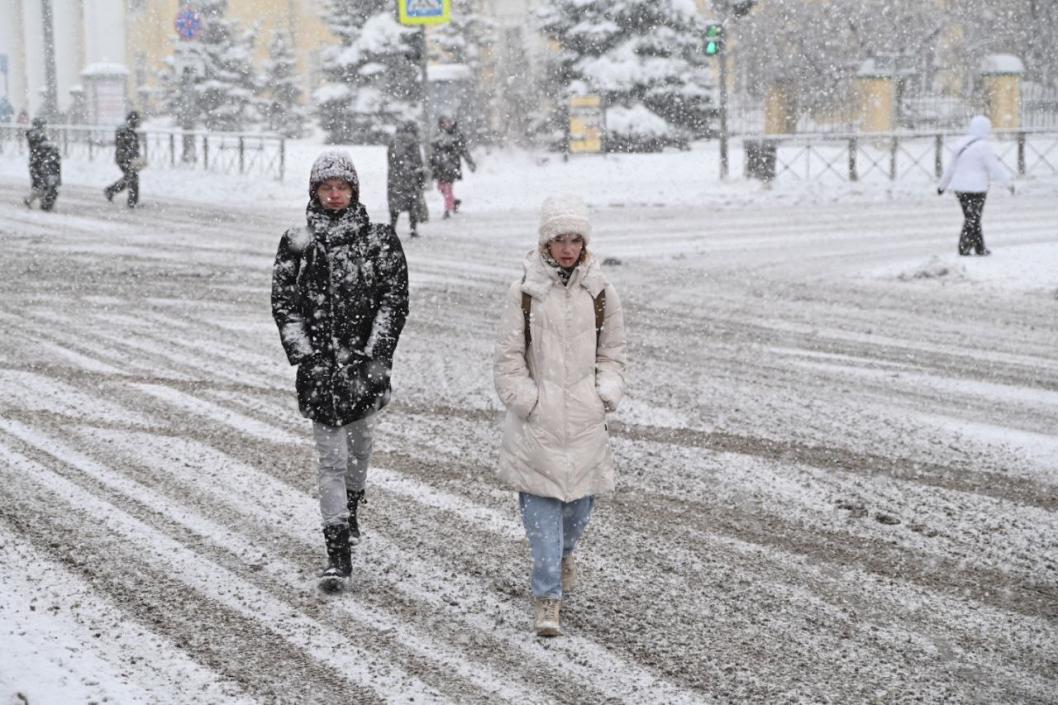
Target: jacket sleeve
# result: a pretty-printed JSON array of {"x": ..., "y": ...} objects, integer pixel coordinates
[
  {"x": 610, "y": 354},
  {"x": 949, "y": 172},
  {"x": 286, "y": 311},
  {"x": 514, "y": 384},
  {"x": 393, "y": 301},
  {"x": 996, "y": 170}
]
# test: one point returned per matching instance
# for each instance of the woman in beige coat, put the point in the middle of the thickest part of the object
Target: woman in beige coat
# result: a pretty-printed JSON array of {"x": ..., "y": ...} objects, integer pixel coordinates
[{"x": 559, "y": 368}]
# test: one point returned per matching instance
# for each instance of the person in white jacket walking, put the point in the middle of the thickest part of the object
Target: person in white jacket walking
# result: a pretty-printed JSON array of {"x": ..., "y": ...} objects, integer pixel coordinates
[
  {"x": 969, "y": 174},
  {"x": 559, "y": 368}
]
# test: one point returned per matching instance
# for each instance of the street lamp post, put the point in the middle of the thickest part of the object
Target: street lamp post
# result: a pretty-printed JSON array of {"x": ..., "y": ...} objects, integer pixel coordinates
[{"x": 51, "y": 89}]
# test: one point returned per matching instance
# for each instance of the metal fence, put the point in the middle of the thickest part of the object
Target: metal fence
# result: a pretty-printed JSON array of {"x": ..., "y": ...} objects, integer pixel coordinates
[
  {"x": 218, "y": 152},
  {"x": 889, "y": 156}
]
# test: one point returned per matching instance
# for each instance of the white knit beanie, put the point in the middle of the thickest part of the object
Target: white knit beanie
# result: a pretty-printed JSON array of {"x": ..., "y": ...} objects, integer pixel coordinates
[{"x": 563, "y": 214}]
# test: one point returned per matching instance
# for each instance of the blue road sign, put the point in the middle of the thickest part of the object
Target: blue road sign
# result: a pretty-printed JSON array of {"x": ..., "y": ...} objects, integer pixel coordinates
[{"x": 188, "y": 23}]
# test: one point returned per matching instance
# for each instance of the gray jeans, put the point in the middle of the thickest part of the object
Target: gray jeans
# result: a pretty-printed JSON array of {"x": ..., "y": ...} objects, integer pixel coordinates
[{"x": 344, "y": 452}]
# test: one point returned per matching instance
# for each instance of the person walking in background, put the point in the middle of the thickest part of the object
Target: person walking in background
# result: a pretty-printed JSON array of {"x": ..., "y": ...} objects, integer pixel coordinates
[
  {"x": 969, "y": 174},
  {"x": 558, "y": 369},
  {"x": 405, "y": 175},
  {"x": 45, "y": 167},
  {"x": 7, "y": 112},
  {"x": 447, "y": 153},
  {"x": 340, "y": 299},
  {"x": 127, "y": 156}
]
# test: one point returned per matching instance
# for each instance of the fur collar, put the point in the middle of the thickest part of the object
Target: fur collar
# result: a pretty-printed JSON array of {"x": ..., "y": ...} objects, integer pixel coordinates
[{"x": 540, "y": 276}]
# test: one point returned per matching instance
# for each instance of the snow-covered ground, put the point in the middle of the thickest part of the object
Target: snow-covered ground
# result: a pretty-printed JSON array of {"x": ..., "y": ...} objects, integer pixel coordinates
[{"x": 838, "y": 457}]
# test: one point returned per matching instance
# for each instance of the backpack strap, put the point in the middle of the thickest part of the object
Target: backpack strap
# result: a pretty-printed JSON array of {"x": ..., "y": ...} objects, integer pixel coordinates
[
  {"x": 600, "y": 315},
  {"x": 527, "y": 305}
]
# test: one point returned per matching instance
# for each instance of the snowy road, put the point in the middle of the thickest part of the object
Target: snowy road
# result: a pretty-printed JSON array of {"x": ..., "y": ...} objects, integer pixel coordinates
[{"x": 838, "y": 467}]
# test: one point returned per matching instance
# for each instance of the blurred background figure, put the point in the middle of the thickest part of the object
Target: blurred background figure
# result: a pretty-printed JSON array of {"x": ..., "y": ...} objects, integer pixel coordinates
[
  {"x": 447, "y": 153},
  {"x": 45, "y": 167},
  {"x": 405, "y": 175},
  {"x": 127, "y": 157}
]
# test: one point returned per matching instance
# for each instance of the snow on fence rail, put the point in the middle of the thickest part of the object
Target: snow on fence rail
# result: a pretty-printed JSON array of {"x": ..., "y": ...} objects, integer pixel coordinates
[
  {"x": 889, "y": 155},
  {"x": 220, "y": 152}
]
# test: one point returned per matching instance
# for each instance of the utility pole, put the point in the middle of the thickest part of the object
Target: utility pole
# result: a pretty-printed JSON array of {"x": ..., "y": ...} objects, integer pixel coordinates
[
  {"x": 425, "y": 94},
  {"x": 51, "y": 89},
  {"x": 715, "y": 41},
  {"x": 714, "y": 46},
  {"x": 722, "y": 56}
]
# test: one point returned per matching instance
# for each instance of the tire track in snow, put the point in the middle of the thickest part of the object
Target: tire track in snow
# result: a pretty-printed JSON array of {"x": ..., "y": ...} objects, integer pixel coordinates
[
  {"x": 125, "y": 665},
  {"x": 594, "y": 665},
  {"x": 369, "y": 671}
]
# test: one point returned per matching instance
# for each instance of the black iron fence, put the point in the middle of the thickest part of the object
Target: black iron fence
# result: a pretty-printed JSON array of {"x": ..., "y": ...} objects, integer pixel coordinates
[
  {"x": 891, "y": 156},
  {"x": 218, "y": 152}
]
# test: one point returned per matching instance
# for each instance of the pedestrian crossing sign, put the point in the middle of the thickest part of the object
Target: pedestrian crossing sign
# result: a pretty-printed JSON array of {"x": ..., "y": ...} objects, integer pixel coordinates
[{"x": 413, "y": 12}]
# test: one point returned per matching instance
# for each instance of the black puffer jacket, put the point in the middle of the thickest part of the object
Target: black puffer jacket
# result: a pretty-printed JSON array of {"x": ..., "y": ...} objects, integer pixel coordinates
[
  {"x": 126, "y": 146},
  {"x": 340, "y": 299},
  {"x": 45, "y": 163},
  {"x": 447, "y": 152}
]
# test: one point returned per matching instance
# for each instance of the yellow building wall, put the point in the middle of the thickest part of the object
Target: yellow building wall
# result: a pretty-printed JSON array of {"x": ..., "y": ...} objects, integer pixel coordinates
[
  {"x": 780, "y": 111},
  {"x": 1004, "y": 100},
  {"x": 877, "y": 101},
  {"x": 152, "y": 36}
]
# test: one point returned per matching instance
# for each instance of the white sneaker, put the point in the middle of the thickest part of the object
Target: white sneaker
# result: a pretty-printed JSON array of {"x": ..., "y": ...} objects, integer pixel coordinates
[
  {"x": 569, "y": 574},
  {"x": 547, "y": 620}
]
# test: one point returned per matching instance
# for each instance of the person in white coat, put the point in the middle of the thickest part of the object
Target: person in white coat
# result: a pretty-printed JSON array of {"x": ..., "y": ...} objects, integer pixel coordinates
[
  {"x": 970, "y": 172},
  {"x": 558, "y": 369}
]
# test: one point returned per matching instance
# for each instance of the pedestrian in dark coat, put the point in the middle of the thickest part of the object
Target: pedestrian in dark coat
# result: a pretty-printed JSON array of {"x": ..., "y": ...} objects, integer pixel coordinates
[
  {"x": 127, "y": 157},
  {"x": 405, "y": 175},
  {"x": 45, "y": 167},
  {"x": 340, "y": 298},
  {"x": 447, "y": 152}
]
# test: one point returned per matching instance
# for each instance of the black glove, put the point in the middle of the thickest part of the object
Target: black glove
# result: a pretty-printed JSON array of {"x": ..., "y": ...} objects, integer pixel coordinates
[
  {"x": 376, "y": 373},
  {"x": 940, "y": 191}
]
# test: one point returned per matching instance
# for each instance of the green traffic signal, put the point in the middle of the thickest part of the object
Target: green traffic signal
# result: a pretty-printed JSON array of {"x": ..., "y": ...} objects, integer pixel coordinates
[{"x": 714, "y": 39}]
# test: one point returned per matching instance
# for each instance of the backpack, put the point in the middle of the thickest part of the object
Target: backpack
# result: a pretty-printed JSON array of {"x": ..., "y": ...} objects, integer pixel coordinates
[{"x": 599, "y": 303}]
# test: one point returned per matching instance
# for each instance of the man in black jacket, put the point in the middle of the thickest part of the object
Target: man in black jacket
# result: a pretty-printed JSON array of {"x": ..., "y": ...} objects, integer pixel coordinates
[
  {"x": 340, "y": 299},
  {"x": 45, "y": 167},
  {"x": 127, "y": 156}
]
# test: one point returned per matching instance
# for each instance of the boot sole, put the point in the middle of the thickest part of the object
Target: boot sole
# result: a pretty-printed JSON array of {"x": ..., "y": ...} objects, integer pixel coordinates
[
  {"x": 548, "y": 630},
  {"x": 332, "y": 584}
]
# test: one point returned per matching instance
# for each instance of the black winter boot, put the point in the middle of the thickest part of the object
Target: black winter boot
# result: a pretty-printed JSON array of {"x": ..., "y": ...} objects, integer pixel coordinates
[
  {"x": 353, "y": 499},
  {"x": 339, "y": 563}
]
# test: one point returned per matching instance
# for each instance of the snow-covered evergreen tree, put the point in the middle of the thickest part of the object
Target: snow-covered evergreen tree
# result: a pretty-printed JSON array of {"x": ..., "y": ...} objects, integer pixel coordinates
[
  {"x": 211, "y": 81},
  {"x": 644, "y": 57},
  {"x": 373, "y": 73},
  {"x": 281, "y": 110}
]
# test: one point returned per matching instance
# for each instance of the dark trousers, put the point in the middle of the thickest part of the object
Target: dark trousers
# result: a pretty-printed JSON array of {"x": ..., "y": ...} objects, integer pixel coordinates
[
  {"x": 412, "y": 219},
  {"x": 130, "y": 179},
  {"x": 971, "y": 238}
]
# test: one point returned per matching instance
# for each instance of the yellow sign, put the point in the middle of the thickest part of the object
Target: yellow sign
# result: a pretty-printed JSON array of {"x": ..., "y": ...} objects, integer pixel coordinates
[
  {"x": 415, "y": 12},
  {"x": 587, "y": 124}
]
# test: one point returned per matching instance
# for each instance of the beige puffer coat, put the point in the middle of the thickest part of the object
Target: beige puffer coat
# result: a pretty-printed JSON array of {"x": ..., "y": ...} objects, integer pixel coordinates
[{"x": 555, "y": 442}]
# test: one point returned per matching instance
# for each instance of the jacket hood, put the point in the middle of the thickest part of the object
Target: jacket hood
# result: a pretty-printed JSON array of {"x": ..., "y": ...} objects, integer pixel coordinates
[
  {"x": 980, "y": 127},
  {"x": 334, "y": 164}
]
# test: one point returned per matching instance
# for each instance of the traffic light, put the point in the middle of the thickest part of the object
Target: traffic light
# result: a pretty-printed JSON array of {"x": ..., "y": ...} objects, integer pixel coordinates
[{"x": 714, "y": 39}]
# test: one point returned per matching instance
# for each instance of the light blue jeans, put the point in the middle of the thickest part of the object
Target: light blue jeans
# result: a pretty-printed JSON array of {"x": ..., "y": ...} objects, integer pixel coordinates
[
  {"x": 344, "y": 453},
  {"x": 553, "y": 527}
]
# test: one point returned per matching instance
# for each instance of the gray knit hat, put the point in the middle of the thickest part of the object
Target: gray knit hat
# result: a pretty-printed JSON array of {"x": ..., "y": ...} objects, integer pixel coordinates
[
  {"x": 334, "y": 164},
  {"x": 564, "y": 213}
]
